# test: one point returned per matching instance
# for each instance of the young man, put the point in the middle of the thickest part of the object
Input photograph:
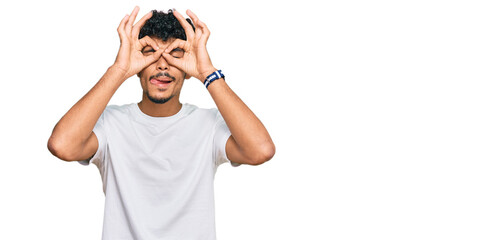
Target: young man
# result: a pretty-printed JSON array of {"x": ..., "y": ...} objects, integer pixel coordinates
[{"x": 157, "y": 158}]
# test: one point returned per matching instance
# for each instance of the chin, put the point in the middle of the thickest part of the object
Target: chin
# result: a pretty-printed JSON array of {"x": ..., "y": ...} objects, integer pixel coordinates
[{"x": 159, "y": 99}]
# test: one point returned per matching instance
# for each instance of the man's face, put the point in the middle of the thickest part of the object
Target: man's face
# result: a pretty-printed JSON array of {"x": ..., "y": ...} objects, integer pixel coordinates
[{"x": 160, "y": 81}]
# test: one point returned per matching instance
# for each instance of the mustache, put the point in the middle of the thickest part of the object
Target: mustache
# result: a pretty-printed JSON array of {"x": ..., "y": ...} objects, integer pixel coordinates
[{"x": 162, "y": 74}]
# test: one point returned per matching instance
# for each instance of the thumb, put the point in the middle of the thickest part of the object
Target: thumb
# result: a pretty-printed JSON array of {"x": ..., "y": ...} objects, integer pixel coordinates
[
  {"x": 176, "y": 62},
  {"x": 154, "y": 57}
]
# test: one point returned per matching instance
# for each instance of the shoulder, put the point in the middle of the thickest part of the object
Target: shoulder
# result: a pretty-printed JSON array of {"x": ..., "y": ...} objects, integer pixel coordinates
[
  {"x": 210, "y": 113},
  {"x": 118, "y": 111},
  {"x": 119, "y": 108}
]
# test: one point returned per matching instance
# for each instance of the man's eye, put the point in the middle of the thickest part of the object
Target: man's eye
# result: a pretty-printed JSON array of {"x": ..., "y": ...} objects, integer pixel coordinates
[
  {"x": 177, "y": 53},
  {"x": 148, "y": 51}
]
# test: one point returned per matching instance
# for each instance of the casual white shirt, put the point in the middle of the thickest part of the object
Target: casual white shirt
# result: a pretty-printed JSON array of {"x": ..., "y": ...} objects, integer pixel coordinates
[{"x": 158, "y": 172}]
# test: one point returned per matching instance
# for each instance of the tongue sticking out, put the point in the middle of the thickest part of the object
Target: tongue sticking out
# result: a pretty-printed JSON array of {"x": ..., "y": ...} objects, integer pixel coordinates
[{"x": 160, "y": 82}]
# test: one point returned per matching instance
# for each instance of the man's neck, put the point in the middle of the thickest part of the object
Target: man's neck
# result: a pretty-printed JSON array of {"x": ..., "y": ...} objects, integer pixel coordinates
[{"x": 167, "y": 109}]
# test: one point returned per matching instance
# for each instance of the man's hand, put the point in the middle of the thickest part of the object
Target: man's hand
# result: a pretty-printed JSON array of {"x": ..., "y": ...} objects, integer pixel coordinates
[
  {"x": 130, "y": 59},
  {"x": 195, "y": 61}
]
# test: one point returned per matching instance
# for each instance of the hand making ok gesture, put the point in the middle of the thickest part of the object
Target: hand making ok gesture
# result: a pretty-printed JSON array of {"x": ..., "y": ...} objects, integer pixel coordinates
[
  {"x": 130, "y": 59},
  {"x": 195, "y": 61}
]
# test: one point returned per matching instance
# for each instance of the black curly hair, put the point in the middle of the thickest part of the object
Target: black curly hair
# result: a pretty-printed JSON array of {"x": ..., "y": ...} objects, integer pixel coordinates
[{"x": 164, "y": 26}]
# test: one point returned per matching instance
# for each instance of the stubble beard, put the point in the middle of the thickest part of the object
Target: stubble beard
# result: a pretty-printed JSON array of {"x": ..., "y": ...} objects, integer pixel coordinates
[
  {"x": 158, "y": 100},
  {"x": 161, "y": 100}
]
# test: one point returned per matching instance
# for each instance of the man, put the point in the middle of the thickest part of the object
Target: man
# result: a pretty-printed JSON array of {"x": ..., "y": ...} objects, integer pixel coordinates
[{"x": 157, "y": 158}]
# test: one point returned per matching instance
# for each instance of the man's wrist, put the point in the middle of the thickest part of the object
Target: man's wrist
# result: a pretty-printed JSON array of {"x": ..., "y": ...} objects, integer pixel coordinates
[
  {"x": 216, "y": 85},
  {"x": 206, "y": 74},
  {"x": 216, "y": 75},
  {"x": 118, "y": 71}
]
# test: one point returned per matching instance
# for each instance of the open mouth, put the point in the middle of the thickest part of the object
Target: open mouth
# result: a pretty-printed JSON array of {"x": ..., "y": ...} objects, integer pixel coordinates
[
  {"x": 160, "y": 82},
  {"x": 162, "y": 79}
]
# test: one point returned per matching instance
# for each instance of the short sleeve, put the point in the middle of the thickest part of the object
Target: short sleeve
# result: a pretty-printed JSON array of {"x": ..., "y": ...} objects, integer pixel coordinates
[
  {"x": 222, "y": 134},
  {"x": 99, "y": 156}
]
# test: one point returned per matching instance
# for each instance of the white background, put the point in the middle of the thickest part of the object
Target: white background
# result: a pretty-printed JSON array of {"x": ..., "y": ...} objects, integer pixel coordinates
[{"x": 386, "y": 115}]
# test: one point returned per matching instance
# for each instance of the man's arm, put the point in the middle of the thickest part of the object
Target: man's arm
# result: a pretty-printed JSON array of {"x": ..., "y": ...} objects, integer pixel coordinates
[
  {"x": 72, "y": 138},
  {"x": 250, "y": 142}
]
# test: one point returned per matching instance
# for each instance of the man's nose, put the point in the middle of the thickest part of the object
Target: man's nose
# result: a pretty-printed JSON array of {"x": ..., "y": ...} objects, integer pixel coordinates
[{"x": 162, "y": 64}]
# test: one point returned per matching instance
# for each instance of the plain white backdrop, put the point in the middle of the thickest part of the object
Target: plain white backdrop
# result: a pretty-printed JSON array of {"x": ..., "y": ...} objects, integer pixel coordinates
[{"x": 386, "y": 115}]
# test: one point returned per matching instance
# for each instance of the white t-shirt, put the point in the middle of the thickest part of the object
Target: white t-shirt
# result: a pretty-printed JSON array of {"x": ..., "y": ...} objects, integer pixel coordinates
[{"x": 158, "y": 172}]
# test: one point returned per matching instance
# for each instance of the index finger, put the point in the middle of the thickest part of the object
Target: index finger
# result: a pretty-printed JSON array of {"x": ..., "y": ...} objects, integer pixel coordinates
[{"x": 189, "y": 32}]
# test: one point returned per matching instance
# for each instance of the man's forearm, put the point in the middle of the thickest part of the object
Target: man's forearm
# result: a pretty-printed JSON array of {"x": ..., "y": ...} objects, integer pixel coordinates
[
  {"x": 247, "y": 130},
  {"x": 77, "y": 124}
]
